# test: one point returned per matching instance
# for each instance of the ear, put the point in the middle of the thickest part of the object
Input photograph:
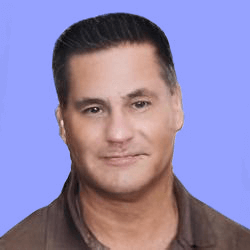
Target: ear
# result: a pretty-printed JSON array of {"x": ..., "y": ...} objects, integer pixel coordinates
[
  {"x": 60, "y": 121},
  {"x": 178, "y": 107}
]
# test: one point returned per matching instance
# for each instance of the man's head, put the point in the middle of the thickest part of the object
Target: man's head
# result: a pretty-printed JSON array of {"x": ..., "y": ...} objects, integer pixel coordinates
[
  {"x": 121, "y": 112},
  {"x": 103, "y": 32}
]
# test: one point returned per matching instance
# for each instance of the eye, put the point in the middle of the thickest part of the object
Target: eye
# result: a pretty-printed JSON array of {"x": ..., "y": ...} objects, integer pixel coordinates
[
  {"x": 92, "y": 110},
  {"x": 141, "y": 104}
]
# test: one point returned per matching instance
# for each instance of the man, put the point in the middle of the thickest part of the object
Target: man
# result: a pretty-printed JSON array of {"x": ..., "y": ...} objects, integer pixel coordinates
[{"x": 119, "y": 110}]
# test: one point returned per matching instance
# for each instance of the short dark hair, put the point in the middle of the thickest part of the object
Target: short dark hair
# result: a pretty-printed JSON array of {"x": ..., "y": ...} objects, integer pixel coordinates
[{"x": 103, "y": 32}]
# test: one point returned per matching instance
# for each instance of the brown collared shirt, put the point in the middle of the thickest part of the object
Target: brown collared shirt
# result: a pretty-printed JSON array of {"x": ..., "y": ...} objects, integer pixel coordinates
[{"x": 61, "y": 226}]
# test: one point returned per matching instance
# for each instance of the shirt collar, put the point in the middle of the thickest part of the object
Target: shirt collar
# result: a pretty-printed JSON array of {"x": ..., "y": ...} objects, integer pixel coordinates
[
  {"x": 71, "y": 193},
  {"x": 194, "y": 229}
]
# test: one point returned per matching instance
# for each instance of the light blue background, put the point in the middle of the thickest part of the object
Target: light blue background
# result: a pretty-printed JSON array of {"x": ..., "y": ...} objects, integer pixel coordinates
[{"x": 210, "y": 43}]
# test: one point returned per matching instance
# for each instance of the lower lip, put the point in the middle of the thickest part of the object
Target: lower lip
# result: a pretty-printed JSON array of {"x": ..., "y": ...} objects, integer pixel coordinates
[{"x": 122, "y": 161}]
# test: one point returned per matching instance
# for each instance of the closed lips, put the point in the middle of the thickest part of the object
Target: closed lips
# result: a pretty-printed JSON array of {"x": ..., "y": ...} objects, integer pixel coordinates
[
  {"x": 120, "y": 156},
  {"x": 122, "y": 159}
]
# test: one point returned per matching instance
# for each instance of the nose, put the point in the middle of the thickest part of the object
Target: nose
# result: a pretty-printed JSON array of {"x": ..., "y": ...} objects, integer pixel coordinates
[{"x": 119, "y": 128}]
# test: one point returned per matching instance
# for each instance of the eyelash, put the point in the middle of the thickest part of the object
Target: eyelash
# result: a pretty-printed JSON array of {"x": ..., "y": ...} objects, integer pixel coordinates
[
  {"x": 88, "y": 110},
  {"x": 148, "y": 103}
]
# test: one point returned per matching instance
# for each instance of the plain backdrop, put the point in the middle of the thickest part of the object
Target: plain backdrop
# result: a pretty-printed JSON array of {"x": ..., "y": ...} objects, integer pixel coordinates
[{"x": 210, "y": 44}]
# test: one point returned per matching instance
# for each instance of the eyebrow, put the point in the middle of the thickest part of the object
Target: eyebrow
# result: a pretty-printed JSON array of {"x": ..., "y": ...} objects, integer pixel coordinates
[{"x": 142, "y": 92}]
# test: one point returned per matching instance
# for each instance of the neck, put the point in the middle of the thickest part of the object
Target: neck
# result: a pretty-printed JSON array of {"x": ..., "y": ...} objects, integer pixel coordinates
[{"x": 151, "y": 215}]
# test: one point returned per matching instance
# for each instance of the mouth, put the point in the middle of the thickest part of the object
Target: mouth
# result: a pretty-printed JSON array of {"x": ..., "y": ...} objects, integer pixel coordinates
[{"x": 122, "y": 160}]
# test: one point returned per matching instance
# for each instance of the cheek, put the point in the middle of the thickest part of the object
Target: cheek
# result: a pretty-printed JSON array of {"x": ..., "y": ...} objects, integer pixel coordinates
[
  {"x": 158, "y": 127},
  {"x": 160, "y": 135},
  {"x": 82, "y": 136},
  {"x": 163, "y": 138}
]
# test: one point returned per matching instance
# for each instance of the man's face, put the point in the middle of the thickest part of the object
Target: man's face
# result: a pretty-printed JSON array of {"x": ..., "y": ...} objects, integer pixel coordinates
[{"x": 121, "y": 120}]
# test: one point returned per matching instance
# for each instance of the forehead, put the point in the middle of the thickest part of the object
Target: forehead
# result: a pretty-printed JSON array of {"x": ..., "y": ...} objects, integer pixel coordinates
[{"x": 121, "y": 68}]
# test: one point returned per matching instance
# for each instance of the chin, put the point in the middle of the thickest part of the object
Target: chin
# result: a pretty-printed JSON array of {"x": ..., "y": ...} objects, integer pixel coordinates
[
  {"x": 125, "y": 189},
  {"x": 125, "y": 193}
]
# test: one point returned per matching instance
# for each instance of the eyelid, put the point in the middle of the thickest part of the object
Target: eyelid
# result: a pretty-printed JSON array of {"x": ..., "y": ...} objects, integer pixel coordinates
[
  {"x": 148, "y": 103},
  {"x": 88, "y": 108},
  {"x": 142, "y": 100}
]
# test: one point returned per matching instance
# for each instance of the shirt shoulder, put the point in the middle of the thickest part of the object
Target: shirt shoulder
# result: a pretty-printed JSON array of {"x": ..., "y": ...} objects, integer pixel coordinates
[
  {"x": 228, "y": 233},
  {"x": 30, "y": 232}
]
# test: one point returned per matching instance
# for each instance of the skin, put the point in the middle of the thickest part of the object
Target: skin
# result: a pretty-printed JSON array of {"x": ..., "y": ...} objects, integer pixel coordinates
[{"x": 120, "y": 125}]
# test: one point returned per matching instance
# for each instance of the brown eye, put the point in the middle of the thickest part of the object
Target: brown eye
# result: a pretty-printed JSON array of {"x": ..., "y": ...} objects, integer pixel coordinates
[
  {"x": 92, "y": 110},
  {"x": 141, "y": 104}
]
